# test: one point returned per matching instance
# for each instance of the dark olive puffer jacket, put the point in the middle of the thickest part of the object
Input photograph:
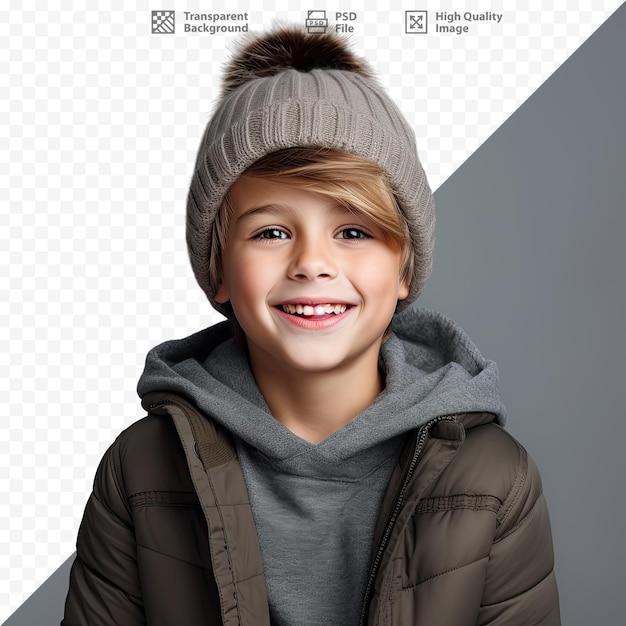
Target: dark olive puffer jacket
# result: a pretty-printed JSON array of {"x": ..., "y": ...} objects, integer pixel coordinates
[{"x": 168, "y": 537}]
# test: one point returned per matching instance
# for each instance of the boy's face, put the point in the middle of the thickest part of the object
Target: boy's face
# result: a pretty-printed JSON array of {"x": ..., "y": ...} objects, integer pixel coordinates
[{"x": 313, "y": 285}]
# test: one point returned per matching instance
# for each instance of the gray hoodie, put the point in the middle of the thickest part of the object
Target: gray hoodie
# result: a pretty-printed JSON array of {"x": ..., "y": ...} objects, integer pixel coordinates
[{"x": 315, "y": 505}]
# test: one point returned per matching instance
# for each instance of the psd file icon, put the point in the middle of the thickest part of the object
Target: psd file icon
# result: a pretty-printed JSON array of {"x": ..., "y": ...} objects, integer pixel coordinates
[{"x": 316, "y": 22}]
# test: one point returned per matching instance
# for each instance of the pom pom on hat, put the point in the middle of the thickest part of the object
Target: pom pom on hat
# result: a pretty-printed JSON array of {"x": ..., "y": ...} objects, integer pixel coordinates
[
  {"x": 289, "y": 88},
  {"x": 290, "y": 48}
]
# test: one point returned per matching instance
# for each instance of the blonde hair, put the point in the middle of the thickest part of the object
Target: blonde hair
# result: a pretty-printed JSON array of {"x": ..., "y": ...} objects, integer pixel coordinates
[{"x": 358, "y": 184}]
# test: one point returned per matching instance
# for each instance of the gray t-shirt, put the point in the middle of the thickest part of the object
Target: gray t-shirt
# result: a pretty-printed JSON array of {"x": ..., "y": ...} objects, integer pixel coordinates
[{"x": 315, "y": 518}]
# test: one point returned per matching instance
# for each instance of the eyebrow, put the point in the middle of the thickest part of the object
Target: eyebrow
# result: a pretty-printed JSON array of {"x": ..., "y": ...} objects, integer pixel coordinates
[
  {"x": 280, "y": 209},
  {"x": 260, "y": 210}
]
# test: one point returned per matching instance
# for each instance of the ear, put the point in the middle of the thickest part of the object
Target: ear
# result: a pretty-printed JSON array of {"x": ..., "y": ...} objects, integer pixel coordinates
[
  {"x": 403, "y": 289},
  {"x": 222, "y": 295}
]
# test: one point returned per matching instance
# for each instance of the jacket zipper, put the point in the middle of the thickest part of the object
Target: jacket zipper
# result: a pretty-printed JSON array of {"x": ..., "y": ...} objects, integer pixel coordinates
[{"x": 419, "y": 447}]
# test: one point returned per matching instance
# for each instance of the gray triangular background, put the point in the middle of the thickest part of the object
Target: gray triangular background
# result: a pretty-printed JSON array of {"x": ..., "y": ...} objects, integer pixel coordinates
[{"x": 530, "y": 260}]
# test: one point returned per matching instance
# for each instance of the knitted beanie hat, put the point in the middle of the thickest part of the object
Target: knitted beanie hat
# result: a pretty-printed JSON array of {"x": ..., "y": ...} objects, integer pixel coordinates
[{"x": 289, "y": 88}]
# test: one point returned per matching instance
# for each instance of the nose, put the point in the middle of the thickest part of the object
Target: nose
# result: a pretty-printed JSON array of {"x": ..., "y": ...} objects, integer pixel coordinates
[{"x": 312, "y": 259}]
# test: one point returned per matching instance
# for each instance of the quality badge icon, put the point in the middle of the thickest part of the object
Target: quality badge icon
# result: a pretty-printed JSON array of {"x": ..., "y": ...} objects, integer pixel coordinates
[{"x": 416, "y": 22}]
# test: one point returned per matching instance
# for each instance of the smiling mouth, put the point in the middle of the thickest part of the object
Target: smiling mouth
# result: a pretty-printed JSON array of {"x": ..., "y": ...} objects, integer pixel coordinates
[{"x": 309, "y": 310}]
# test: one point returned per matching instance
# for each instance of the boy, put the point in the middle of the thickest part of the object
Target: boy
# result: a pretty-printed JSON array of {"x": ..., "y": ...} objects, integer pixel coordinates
[{"x": 301, "y": 463}]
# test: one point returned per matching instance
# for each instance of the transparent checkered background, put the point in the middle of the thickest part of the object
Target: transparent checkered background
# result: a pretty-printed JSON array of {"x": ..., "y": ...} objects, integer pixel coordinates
[{"x": 98, "y": 135}]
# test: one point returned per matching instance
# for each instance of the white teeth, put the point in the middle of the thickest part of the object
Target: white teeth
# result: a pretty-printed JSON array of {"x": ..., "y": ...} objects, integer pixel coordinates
[{"x": 319, "y": 309}]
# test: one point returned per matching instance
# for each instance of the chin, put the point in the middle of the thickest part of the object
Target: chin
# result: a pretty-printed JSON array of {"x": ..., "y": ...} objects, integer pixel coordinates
[{"x": 315, "y": 365}]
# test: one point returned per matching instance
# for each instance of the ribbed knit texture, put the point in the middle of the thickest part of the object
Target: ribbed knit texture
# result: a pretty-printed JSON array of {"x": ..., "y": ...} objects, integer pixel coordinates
[{"x": 327, "y": 108}]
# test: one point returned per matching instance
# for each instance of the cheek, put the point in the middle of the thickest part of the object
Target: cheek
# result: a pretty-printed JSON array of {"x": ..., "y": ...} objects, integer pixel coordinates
[
  {"x": 247, "y": 277},
  {"x": 381, "y": 274}
]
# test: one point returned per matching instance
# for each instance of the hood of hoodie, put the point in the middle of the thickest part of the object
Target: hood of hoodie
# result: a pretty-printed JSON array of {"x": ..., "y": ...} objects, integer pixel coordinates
[{"x": 431, "y": 368}]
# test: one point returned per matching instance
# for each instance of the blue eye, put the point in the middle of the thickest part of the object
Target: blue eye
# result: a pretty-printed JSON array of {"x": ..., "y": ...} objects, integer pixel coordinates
[
  {"x": 352, "y": 233},
  {"x": 271, "y": 233}
]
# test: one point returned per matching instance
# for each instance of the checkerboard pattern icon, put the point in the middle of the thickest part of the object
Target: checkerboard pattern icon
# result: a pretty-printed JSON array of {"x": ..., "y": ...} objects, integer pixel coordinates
[{"x": 163, "y": 22}]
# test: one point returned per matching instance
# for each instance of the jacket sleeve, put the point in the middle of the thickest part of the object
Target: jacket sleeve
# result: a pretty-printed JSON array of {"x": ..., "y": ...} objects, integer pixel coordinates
[
  {"x": 520, "y": 588},
  {"x": 104, "y": 583}
]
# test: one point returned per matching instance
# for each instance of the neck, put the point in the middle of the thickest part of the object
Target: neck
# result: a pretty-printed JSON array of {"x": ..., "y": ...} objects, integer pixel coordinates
[{"x": 313, "y": 405}]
